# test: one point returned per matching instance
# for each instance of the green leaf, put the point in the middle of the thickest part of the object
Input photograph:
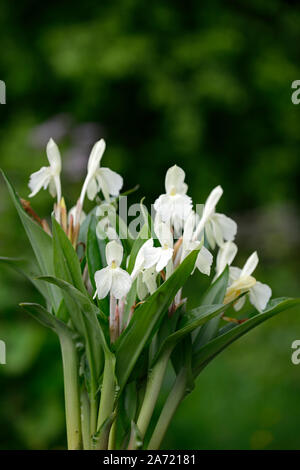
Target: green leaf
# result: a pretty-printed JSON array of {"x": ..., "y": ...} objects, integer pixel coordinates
[
  {"x": 66, "y": 262},
  {"x": 214, "y": 295},
  {"x": 93, "y": 253},
  {"x": 24, "y": 267},
  {"x": 214, "y": 347},
  {"x": 45, "y": 318},
  {"x": 146, "y": 319},
  {"x": 93, "y": 335},
  {"x": 189, "y": 322},
  {"x": 40, "y": 241}
]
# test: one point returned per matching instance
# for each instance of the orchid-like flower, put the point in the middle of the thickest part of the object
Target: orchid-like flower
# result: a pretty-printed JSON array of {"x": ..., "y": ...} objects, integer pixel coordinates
[
  {"x": 218, "y": 227},
  {"x": 226, "y": 255},
  {"x": 48, "y": 176},
  {"x": 205, "y": 258},
  {"x": 99, "y": 178},
  {"x": 241, "y": 281},
  {"x": 160, "y": 256},
  {"x": 113, "y": 278},
  {"x": 146, "y": 282},
  {"x": 174, "y": 206}
]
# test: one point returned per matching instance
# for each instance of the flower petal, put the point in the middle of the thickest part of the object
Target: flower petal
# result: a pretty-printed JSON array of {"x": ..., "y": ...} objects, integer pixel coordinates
[
  {"x": 227, "y": 225},
  {"x": 103, "y": 280},
  {"x": 38, "y": 180},
  {"x": 225, "y": 256},
  {"x": 121, "y": 283},
  {"x": 204, "y": 261},
  {"x": 53, "y": 156},
  {"x": 92, "y": 189},
  {"x": 260, "y": 295},
  {"x": 175, "y": 180},
  {"x": 114, "y": 252},
  {"x": 165, "y": 256},
  {"x": 211, "y": 202},
  {"x": 95, "y": 156},
  {"x": 111, "y": 181},
  {"x": 250, "y": 265}
]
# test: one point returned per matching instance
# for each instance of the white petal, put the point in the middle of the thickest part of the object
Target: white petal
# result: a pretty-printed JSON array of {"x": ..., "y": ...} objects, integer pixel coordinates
[
  {"x": 204, "y": 261},
  {"x": 92, "y": 189},
  {"x": 165, "y": 256},
  {"x": 250, "y": 265},
  {"x": 175, "y": 180},
  {"x": 111, "y": 180},
  {"x": 189, "y": 227},
  {"x": 151, "y": 256},
  {"x": 140, "y": 258},
  {"x": 164, "y": 234},
  {"x": 54, "y": 158},
  {"x": 52, "y": 187},
  {"x": 38, "y": 180},
  {"x": 103, "y": 280},
  {"x": 212, "y": 201},
  {"x": 225, "y": 256},
  {"x": 95, "y": 156},
  {"x": 121, "y": 283},
  {"x": 210, "y": 234},
  {"x": 227, "y": 225},
  {"x": 149, "y": 278},
  {"x": 163, "y": 207},
  {"x": 114, "y": 252},
  {"x": 234, "y": 274},
  {"x": 260, "y": 295}
]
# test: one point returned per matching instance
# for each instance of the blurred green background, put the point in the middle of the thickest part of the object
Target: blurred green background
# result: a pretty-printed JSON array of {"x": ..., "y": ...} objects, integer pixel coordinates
[{"x": 206, "y": 85}]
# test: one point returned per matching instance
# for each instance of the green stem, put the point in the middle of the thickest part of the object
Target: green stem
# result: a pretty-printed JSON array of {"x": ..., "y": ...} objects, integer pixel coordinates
[
  {"x": 107, "y": 400},
  {"x": 154, "y": 383},
  {"x": 85, "y": 420},
  {"x": 173, "y": 400},
  {"x": 71, "y": 386},
  {"x": 112, "y": 436}
]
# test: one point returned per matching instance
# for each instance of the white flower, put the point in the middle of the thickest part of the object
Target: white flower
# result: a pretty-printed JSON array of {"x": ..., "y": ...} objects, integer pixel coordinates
[
  {"x": 146, "y": 282},
  {"x": 139, "y": 264},
  {"x": 99, "y": 178},
  {"x": 160, "y": 256},
  {"x": 113, "y": 278},
  {"x": 226, "y": 255},
  {"x": 241, "y": 281},
  {"x": 48, "y": 175},
  {"x": 205, "y": 258},
  {"x": 218, "y": 227},
  {"x": 175, "y": 205},
  {"x": 204, "y": 261}
]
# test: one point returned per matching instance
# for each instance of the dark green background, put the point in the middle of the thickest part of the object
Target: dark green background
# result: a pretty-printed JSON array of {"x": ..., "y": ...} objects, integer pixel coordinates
[{"x": 206, "y": 85}]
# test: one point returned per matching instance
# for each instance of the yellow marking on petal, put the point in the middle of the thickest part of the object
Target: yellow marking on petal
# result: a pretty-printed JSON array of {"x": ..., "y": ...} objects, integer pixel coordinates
[{"x": 113, "y": 265}]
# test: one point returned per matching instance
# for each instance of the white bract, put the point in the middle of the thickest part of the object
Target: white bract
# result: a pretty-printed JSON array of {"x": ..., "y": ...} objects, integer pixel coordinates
[
  {"x": 99, "y": 178},
  {"x": 48, "y": 176},
  {"x": 112, "y": 278},
  {"x": 241, "y": 281},
  {"x": 174, "y": 206},
  {"x": 218, "y": 227}
]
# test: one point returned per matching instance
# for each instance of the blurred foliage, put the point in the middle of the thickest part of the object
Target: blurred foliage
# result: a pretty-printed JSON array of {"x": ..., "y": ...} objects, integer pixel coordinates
[{"x": 206, "y": 85}]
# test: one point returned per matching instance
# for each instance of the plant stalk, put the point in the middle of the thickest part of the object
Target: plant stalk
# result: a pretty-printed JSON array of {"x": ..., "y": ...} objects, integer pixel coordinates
[
  {"x": 154, "y": 383},
  {"x": 176, "y": 395},
  {"x": 71, "y": 388}
]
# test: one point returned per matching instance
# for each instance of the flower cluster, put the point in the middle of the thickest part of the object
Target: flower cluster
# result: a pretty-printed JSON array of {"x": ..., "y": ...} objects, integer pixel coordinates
[{"x": 178, "y": 229}]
